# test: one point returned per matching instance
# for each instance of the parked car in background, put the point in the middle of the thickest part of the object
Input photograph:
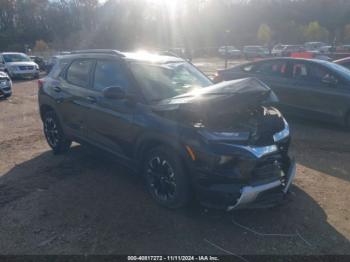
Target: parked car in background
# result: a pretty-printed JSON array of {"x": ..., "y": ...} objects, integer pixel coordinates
[
  {"x": 326, "y": 49},
  {"x": 343, "y": 48},
  {"x": 277, "y": 50},
  {"x": 314, "y": 46},
  {"x": 5, "y": 85},
  {"x": 39, "y": 61},
  {"x": 19, "y": 65},
  {"x": 343, "y": 62},
  {"x": 290, "y": 49},
  {"x": 223, "y": 143},
  {"x": 230, "y": 52},
  {"x": 50, "y": 63},
  {"x": 255, "y": 51},
  {"x": 314, "y": 88}
]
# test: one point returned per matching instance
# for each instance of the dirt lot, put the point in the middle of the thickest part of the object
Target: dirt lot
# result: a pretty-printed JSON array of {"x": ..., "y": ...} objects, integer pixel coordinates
[{"x": 84, "y": 202}]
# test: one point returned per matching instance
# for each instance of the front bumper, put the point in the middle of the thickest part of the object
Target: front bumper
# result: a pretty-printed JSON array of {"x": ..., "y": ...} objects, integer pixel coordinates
[
  {"x": 24, "y": 73},
  {"x": 250, "y": 194},
  {"x": 5, "y": 89},
  {"x": 261, "y": 178}
]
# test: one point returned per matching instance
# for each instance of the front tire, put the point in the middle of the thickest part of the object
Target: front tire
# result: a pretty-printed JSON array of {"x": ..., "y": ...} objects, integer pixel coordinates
[
  {"x": 165, "y": 177},
  {"x": 54, "y": 133}
]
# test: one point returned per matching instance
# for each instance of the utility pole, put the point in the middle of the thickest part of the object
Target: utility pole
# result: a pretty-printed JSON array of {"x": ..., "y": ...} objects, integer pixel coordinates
[{"x": 227, "y": 33}]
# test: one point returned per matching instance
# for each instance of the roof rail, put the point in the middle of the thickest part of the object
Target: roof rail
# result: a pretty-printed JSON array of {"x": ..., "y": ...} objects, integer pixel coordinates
[{"x": 98, "y": 51}]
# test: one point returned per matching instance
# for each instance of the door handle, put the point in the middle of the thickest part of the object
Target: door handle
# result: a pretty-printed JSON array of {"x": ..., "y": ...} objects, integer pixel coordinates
[
  {"x": 91, "y": 99},
  {"x": 57, "y": 89}
]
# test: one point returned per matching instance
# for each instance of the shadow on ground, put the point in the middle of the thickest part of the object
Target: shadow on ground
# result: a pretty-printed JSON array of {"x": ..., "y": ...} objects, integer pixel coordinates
[
  {"x": 321, "y": 146},
  {"x": 86, "y": 203}
]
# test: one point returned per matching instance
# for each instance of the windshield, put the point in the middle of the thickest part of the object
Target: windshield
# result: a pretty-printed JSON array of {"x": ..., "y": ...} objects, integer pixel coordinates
[
  {"x": 16, "y": 58},
  {"x": 162, "y": 81}
]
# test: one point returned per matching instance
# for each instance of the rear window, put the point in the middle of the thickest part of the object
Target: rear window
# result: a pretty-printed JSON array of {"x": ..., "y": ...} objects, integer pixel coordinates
[{"x": 79, "y": 72}]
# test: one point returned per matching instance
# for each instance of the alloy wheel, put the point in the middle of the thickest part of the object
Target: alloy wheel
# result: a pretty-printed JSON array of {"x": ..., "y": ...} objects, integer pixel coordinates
[
  {"x": 161, "y": 178},
  {"x": 51, "y": 131}
]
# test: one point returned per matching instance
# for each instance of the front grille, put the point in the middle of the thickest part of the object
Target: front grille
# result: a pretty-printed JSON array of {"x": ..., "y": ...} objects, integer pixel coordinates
[
  {"x": 268, "y": 168},
  {"x": 26, "y": 67}
]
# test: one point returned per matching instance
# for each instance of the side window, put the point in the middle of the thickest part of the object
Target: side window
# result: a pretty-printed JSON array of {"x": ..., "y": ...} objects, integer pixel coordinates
[
  {"x": 300, "y": 71},
  {"x": 310, "y": 73},
  {"x": 273, "y": 68},
  {"x": 79, "y": 72},
  {"x": 110, "y": 73}
]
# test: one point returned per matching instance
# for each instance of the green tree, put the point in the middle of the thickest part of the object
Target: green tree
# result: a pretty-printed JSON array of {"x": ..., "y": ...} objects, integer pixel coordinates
[
  {"x": 264, "y": 34},
  {"x": 315, "y": 32}
]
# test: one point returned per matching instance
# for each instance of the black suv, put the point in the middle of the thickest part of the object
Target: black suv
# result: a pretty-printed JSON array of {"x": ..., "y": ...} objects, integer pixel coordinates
[{"x": 224, "y": 143}]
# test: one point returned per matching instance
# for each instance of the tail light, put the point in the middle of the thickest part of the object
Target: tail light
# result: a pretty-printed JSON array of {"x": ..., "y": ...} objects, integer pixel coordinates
[
  {"x": 41, "y": 83},
  {"x": 217, "y": 78}
]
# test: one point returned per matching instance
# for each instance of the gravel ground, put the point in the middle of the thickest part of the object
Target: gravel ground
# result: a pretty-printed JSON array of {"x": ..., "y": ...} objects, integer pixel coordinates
[{"x": 85, "y": 202}]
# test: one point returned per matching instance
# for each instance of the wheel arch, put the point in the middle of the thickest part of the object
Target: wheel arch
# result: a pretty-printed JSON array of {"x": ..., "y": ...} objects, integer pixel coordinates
[
  {"x": 148, "y": 142},
  {"x": 44, "y": 108}
]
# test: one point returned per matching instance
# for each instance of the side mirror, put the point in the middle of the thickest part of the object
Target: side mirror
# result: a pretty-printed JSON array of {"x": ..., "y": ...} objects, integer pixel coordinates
[
  {"x": 114, "y": 92},
  {"x": 329, "y": 80}
]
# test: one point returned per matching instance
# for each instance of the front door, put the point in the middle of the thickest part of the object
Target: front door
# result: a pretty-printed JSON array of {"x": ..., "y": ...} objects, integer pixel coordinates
[{"x": 110, "y": 121}]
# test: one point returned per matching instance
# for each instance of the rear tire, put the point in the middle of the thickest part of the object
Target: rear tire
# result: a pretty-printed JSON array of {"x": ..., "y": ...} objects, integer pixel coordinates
[
  {"x": 165, "y": 178},
  {"x": 54, "y": 133}
]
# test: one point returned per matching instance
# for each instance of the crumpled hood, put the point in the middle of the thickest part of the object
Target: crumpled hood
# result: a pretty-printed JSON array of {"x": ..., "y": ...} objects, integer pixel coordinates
[{"x": 226, "y": 97}]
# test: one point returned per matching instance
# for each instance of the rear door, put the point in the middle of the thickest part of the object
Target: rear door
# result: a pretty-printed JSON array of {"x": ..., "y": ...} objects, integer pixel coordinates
[
  {"x": 312, "y": 93},
  {"x": 74, "y": 89},
  {"x": 110, "y": 120}
]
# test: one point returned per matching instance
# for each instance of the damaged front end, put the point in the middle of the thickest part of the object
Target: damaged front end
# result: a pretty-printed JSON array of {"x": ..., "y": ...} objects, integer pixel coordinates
[{"x": 240, "y": 142}]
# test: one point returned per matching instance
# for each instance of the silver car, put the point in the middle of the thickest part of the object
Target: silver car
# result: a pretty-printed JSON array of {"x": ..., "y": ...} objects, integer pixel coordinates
[
  {"x": 230, "y": 51},
  {"x": 5, "y": 85},
  {"x": 19, "y": 65}
]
